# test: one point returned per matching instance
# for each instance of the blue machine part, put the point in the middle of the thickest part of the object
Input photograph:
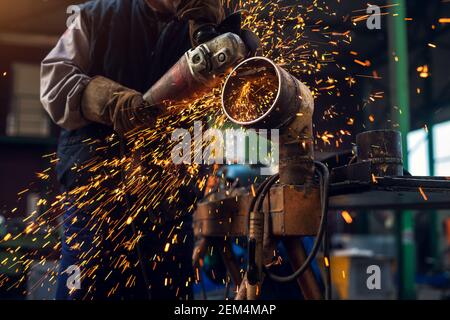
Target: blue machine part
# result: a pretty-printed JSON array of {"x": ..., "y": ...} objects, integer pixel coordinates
[{"x": 246, "y": 174}]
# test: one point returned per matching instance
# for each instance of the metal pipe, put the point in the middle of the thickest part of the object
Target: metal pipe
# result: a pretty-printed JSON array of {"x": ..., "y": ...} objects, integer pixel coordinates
[
  {"x": 398, "y": 44},
  {"x": 383, "y": 149},
  {"x": 230, "y": 263},
  {"x": 259, "y": 93}
]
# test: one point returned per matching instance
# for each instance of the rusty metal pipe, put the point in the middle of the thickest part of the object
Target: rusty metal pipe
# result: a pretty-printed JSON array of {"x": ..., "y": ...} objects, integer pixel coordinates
[
  {"x": 383, "y": 149},
  {"x": 307, "y": 281},
  {"x": 231, "y": 264},
  {"x": 290, "y": 110}
]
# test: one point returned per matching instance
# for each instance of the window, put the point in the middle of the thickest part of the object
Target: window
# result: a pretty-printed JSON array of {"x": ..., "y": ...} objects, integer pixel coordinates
[
  {"x": 26, "y": 116},
  {"x": 441, "y": 149},
  {"x": 418, "y": 160}
]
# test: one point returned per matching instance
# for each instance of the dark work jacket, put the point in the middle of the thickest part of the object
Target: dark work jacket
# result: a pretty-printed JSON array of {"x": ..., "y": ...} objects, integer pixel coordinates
[{"x": 127, "y": 46}]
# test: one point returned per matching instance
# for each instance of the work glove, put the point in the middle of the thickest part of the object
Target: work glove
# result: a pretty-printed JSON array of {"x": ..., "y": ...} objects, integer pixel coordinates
[
  {"x": 107, "y": 102},
  {"x": 232, "y": 23},
  {"x": 203, "y": 17}
]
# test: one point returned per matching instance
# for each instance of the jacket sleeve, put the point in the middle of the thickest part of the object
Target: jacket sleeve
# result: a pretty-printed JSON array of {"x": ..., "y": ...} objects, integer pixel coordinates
[{"x": 64, "y": 78}]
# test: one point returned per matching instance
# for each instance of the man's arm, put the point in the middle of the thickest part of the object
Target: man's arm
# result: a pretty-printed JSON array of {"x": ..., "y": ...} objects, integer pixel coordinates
[
  {"x": 73, "y": 99},
  {"x": 203, "y": 17},
  {"x": 63, "y": 77}
]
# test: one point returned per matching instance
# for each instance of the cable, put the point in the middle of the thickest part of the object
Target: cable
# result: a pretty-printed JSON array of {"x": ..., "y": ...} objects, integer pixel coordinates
[
  {"x": 326, "y": 245},
  {"x": 257, "y": 193},
  {"x": 266, "y": 188},
  {"x": 324, "y": 177},
  {"x": 260, "y": 193}
]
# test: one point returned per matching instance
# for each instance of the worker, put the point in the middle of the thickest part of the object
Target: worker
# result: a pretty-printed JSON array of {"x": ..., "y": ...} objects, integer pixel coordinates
[{"x": 91, "y": 86}]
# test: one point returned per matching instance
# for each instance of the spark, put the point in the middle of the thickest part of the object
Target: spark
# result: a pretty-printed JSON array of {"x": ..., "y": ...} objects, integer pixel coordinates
[
  {"x": 363, "y": 63},
  {"x": 347, "y": 217},
  {"x": 23, "y": 191},
  {"x": 422, "y": 193},
  {"x": 423, "y": 71},
  {"x": 167, "y": 247},
  {"x": 152, "y": 179},
  {"x": 252, "y": 188},
  {"x": 374, "y": 178},
  {"x": 444, "y": 20}
]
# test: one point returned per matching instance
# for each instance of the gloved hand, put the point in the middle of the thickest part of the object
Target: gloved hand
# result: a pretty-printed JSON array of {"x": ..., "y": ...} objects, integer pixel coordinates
[
  {"x": 203, "y": 17},
  {"x": 107, "y": 102},
  {"x": 232, "y": 23}
]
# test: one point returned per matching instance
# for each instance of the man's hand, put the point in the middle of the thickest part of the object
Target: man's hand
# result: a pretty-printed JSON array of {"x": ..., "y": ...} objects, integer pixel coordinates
[
  {"x": 203, "y": 17},
  {"x": 107, "y": 102}
]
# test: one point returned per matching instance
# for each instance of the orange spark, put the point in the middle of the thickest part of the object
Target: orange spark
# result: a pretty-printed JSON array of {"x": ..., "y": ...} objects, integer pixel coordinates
[{"x": 347, "y": 217}]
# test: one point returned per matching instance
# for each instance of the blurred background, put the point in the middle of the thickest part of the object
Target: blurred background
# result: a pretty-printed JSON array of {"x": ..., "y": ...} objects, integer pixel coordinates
[
  {"x": 417, "y": 255},
  {"x": 28, "y": 31}
]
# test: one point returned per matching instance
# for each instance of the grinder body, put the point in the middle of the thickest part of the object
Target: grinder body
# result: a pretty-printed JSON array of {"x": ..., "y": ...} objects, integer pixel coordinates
[{"x": 198, "y": 70}]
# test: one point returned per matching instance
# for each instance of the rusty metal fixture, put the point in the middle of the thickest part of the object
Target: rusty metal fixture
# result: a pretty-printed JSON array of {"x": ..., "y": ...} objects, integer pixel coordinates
[
  {"x": 294, "y": 210},
  {"x": 260, "y": 94},
  {"x": 223, "y": 215},
  {"x": 231, "y": 263},
  {"x": 291, "y": 210},
  {"x": 198, "y": 70},
  {"x": 278, "y": 101},
  {"x": 383, "y": 149}
]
